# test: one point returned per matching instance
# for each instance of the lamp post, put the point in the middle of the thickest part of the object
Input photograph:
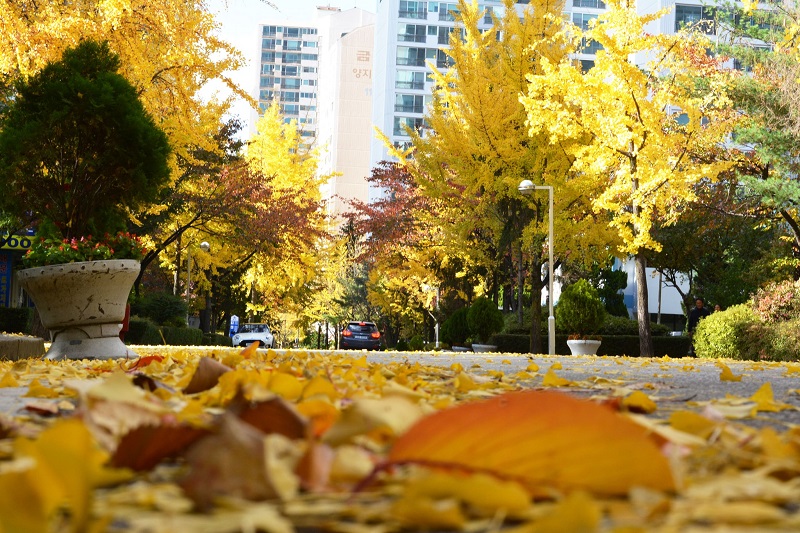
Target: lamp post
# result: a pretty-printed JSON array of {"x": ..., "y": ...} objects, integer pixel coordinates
[
  {"x": 205, "y": 247},
  {"x": 527, "y": 187}
]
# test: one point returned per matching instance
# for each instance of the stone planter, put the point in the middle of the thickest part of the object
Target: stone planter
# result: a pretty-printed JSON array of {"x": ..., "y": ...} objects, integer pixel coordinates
[
  {"x": 83, "y": 306},
  {"x": 483, "y": 348},
  {"x": 583, "y": 347}
]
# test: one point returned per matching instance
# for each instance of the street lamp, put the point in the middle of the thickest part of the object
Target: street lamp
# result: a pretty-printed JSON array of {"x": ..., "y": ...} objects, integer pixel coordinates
[
  {"x": 203, "y": 246},
  {"x": 527, "y": 187}
]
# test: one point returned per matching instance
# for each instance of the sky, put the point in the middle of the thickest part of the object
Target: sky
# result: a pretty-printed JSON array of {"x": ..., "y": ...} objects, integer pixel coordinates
[{"x": 239, "y": 21}]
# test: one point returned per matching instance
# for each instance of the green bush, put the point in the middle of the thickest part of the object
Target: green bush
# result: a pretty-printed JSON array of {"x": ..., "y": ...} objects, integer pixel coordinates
[
  {"x": 402, "y": 346},
  {"x": 580, "y": 310},
  {"x": 163, "y": 308},
  {"x": 455, "y": 329},
  {"x": 725, "y": 334},
  {"x": 484, "y": 319},
  {"x": 611, "y": 345},
  {"x": 16, "y": 319},
  {"x": 778, "y": 302},
  {"x": 182, "y": 336},
  {"x": 217, "y": 339},
  {"x": 416, "y": 343},
  {"x": 143, "y": 331}
]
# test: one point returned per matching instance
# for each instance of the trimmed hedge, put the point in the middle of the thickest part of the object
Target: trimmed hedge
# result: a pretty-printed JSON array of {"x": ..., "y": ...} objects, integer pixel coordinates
[
  {"x": 16, "y": 319},
  {"x": 217, "y": 339},
  {"x": 611, "y": 345},
  {"x": 182, "y": 336},
  {"x": 145, "y": 332}
]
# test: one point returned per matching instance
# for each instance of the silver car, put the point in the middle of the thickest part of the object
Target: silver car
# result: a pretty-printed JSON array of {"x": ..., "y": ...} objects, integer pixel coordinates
[{"x": 249, "y": 333}]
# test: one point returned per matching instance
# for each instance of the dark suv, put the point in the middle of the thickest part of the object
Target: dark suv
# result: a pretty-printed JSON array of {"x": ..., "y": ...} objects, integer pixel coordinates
[{"x": 360, "y": 335}]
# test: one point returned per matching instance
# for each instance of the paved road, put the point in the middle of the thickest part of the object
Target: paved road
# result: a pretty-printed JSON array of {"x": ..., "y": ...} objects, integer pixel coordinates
[{"x": 671, "y": 382}]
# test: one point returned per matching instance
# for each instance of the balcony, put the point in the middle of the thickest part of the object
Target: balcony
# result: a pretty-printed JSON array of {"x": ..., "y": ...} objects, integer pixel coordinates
[
  {"x": 408, "y": 38},
  {"x": 411, "y": 61},
  {"x": 409, "y": 85},
  {"x": 409, "y": 108},
  {"x": 416, "y": 14}
]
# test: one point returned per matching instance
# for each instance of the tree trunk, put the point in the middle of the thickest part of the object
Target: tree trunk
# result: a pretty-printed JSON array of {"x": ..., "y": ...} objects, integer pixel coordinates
[
  {"x": 520, "y": 285},
  {"x": 536, "y": 307},
  {"x": 642, "y": 307}
]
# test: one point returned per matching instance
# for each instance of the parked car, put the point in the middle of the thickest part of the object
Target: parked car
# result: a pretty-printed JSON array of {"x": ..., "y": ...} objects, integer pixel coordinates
[
  {"x": 249, "y": 333},
  {"x": 360, "y": 335}
]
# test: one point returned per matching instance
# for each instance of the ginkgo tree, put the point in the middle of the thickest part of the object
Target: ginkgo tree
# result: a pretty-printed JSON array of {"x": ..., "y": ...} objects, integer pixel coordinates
[
  {"x": 285, "y": 267},
  {"x": 642, "y": 127},
  {"x": 476, "y": 150}
]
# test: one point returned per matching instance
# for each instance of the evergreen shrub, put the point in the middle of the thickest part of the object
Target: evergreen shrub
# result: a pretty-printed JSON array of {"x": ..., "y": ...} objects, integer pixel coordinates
[
  {"x": 728, "y": 334},
  {"x": 455, "y": 329},
  {"x": 416, "y": 343},
  {"x": 580, "y": 311},
  {"x": 484, "y": 319}
]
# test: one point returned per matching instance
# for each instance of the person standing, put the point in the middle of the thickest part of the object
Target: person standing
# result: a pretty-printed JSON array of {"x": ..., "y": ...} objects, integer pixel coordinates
[{"x": 695, "y": 315}]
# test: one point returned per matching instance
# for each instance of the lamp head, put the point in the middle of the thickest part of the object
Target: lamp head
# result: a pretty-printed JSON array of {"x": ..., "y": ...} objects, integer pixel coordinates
[
  {"x": 205, "y": 246},
  {"x": 526, "y": 187}
]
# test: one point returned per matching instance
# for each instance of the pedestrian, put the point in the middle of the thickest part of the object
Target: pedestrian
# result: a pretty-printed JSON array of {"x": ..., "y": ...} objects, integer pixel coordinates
[
  {"x": 695, "y": 315},
  {"x": 717, "y": 307}
]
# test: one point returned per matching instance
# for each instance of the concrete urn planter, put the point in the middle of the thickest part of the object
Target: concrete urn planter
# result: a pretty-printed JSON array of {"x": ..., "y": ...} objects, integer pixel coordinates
[
  {"x": 583, "y": 347},
  {"x": 484, "y": 348},
  {"x": 83, "y": 306}
]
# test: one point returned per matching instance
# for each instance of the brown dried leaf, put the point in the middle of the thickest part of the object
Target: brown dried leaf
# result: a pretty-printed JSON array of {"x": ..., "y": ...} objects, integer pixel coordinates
[
  {"x": 240, "y": 461},
  {"x": 144, "y": 447},
  {"x": 206, "y": 376}
]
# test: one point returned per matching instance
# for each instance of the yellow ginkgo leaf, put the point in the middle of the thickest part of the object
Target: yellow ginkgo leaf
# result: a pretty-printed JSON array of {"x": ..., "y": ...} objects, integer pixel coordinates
[
  {"x": 8, "y": 380},
  {"x": 765, "y": 400},
  {"x": 726, "y": 374},
  {"x": 37, "y": 390},
  {"x": 552, "y": 380},
  {"x": 286, "y": 385},
  {"x": 639, "y": 402}
]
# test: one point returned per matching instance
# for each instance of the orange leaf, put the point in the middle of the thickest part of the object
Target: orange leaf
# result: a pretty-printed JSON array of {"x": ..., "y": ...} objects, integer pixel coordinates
[
  {"x": 145, "y": 361},
  {"x": 250, "y": 351},
  {"x": 144, "y": 447},
  {"x": 726, "y": 374},
  {"x": 543, "y": 440}
]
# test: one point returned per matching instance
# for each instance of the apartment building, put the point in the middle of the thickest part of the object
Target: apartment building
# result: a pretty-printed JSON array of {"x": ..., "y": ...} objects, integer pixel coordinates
[{"x": 320, "y": 73}]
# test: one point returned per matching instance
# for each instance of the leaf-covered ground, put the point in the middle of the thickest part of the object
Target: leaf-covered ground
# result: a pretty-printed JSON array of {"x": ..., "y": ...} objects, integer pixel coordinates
[{"x": 218, "y": 440}]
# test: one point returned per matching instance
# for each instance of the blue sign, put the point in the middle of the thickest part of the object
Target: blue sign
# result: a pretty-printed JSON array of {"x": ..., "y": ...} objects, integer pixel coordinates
[{"x": 234, "y": 325}]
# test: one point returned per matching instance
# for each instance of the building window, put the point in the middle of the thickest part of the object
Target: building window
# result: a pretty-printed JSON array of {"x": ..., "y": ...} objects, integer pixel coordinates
[
  {"x": 288, "y": 70},
  {"x": 448, "y": 12},
  {"x": 409, "y": 103},
  {"x": 267, "y": 57},
  {"x": 439, "y": 57},
  {"x": 292, "y": 45},
  {"x": 290, "y": 96},
  {"x": 268, "y": 44},
  {"x": 267, "y": 81},
  {"x": 288, "y": 57},
  {"x": 290, "y": 109},
  {"x": 309, "y": 44},
  {"x": 412, "y": 57},
  {"x": 411, "y": 33},
  {"x": 310, "y": 82},
  {"x": 310, "y": 69},
  {"x": 445, "y": 32},
  {"x": 408, "y": 79},
  {"x": 290, "y": 83},
  {"x": 310, "y": 96},
  {"x": 413, "y": 10},
  {"x": 291, "y": 32},
  {"x": 433, "y": 30},
  {"x": 269, "y": 30},
  {"x": 588, "y": 46},
  {"x": 310, "y": 57},
  {"x": 309, "y": 31},
  {"x": 400, "y": 124},
  {"x": 308, "y": 108},
  {"x": 595, "y": 4},
  {"x": 266, "y": 95},
  {"x": 699, "y": 17}
]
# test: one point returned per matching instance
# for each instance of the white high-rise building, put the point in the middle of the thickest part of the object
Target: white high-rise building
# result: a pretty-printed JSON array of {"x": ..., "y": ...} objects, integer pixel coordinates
[{"x": 320, "y": 73}]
